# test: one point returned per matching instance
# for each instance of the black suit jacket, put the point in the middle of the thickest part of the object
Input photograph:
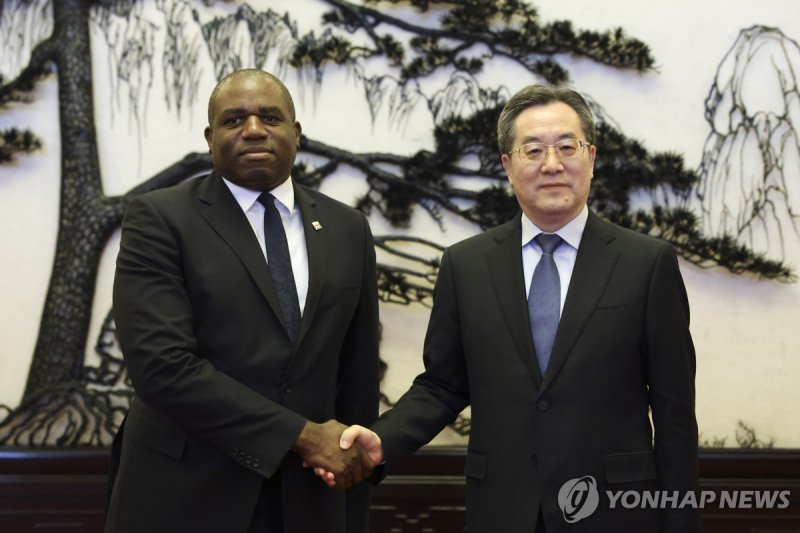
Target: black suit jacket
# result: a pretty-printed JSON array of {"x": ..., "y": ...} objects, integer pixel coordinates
[
  {"x": 221, "y": 395},
  {"x": 622, "y": 348}
]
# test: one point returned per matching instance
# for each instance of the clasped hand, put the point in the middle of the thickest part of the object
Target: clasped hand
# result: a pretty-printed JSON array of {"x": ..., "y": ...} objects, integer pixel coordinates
[{"x": 341, "y": 456}]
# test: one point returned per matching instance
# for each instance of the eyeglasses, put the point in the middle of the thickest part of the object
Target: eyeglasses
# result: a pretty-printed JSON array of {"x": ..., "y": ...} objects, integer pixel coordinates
[{"x": 564, "y": 149}]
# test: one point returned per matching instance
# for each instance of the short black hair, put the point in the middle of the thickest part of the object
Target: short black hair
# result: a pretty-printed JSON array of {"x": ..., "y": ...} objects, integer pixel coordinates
[
  {"x": 536, "y": 95},
  {"x": 250, "y": 72}
]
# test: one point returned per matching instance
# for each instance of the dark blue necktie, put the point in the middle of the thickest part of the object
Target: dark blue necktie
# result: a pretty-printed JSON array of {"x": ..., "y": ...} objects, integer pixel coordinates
[
  {"x": 280, "y": 265},
  {"x": 544, "y": 299}
]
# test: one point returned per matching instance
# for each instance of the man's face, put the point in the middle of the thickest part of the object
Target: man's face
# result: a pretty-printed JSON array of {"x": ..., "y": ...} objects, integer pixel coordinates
[
  {"x": 252, "y": 137},
  {"x": 550, "y": 192}
]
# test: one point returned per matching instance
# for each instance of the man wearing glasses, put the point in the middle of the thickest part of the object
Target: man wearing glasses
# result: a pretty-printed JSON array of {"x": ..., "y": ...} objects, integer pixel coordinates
[{"x": 569, "y": 337}]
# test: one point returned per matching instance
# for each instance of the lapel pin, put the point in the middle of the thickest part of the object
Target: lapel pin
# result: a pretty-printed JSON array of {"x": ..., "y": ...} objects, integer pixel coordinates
[{"x": 317, "y": 226}]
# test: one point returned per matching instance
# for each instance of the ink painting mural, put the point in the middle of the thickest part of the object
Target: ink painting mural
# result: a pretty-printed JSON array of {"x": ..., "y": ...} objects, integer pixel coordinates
[{"x": 698, "y": 115}]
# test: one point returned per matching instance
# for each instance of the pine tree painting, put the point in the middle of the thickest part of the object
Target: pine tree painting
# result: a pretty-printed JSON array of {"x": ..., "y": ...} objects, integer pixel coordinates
[{"x": 404, "y": 58}]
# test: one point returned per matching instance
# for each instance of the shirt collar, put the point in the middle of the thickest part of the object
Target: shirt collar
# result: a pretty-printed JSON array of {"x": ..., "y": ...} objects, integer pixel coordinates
[
  {"x": 246, "y": 198},
  {"x": 571, "y": 232}
]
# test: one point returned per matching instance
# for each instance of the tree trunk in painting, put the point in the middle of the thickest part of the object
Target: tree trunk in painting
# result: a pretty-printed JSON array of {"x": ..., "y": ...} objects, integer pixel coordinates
[
  {"x": 56, "y": 407},
  {"x": 86, "y": 218}
]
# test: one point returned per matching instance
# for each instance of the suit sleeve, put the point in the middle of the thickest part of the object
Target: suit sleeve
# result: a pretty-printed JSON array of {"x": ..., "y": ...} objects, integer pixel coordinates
[
  {"x": 358, "y": 382},
  {"x": 155, "y": 326},
  {"x": 671, "y": 372},
  {"x": 440, "y": 392}
]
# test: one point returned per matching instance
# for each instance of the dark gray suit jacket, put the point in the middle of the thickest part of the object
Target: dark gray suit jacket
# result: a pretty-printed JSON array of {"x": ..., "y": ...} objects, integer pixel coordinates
[
  {"x": 622, "y": 348},
  {"x": 221, "y": 395}
]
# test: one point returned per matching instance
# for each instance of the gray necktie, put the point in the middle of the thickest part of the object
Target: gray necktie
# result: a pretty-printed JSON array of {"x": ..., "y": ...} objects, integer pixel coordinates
[
  {"x": 280, "y": 265},
  {"x": 544, "y": 299}
]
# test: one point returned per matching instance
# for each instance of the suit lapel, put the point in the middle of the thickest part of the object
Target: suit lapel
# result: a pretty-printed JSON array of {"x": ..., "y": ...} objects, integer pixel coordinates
[
  {"x": 314, "y": 227},
  {"x": 505, "y": 267},
  {"x": 225, "y": 216},
  {"x": 593, "y": 266}
]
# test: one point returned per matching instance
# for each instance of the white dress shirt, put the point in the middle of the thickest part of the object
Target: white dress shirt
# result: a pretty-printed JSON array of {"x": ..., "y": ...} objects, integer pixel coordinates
[
  {"x": 564, "y": 256},
  {"x": 292, "y": 224}
]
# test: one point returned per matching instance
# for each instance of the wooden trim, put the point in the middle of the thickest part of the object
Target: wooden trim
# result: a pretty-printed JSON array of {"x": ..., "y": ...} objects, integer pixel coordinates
[{"x": 65, "y": 490}]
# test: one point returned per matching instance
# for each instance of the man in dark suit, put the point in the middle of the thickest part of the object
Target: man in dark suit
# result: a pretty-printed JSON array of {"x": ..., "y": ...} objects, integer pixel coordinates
[
  {"x": 562, "y": 395},
  {"x": 246, "y": 310}
]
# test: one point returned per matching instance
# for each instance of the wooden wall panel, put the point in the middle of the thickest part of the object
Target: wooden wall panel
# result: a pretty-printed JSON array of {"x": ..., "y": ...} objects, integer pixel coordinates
[{"x": 65, "y": 491}]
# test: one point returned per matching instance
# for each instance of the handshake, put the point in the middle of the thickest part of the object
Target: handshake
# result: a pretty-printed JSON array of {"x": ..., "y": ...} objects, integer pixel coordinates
[{"x": 340, "y": 455}]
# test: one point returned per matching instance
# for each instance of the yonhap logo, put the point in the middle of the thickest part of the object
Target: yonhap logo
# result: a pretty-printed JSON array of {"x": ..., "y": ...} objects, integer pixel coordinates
[{"x": 578, "y": 498}]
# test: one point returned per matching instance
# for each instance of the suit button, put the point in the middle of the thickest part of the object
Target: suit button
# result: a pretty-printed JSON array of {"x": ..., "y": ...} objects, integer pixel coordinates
[
  {"x": 256, "y": 463},
  {"x": 287, "y": 390},
  {"x": 542, "y": 405}
]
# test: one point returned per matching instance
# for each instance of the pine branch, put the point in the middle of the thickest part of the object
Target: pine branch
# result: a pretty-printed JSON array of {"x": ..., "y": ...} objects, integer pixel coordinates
[
  {"x": 13, "y": 141},
  {"x": 520, "y": 38},
  {"x": 394, "y": 193},
  {"x": 191, "y": 165},
  {"x": 411, "y": 284},
  {"x": 679, "y": 227},
  {"x": 39, "y": 66}
]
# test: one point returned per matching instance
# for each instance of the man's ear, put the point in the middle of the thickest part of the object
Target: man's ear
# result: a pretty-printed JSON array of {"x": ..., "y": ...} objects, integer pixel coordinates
[
  {"x": 209, "y": 134},
  {"x": 505, "y": 159}
]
